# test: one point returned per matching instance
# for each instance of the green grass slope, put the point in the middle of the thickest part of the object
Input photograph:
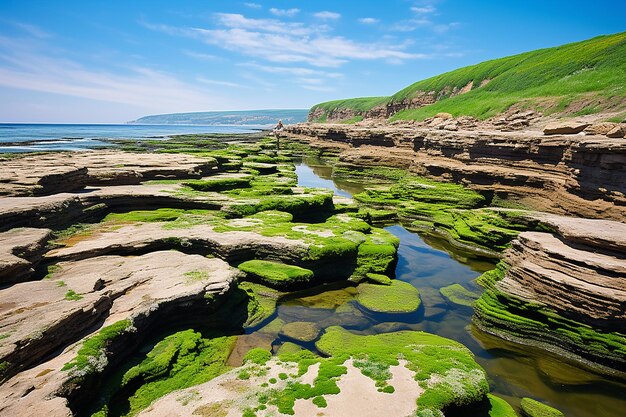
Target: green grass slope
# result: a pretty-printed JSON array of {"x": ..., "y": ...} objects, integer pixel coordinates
[{"x": 578, "y": 78}]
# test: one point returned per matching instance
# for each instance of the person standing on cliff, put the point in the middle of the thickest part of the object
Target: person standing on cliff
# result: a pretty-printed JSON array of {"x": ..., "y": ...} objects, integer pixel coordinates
[{"x": 279, "y": 128}]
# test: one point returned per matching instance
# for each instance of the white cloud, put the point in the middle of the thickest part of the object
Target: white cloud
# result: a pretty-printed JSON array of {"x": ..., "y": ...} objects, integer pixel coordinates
[
  {"x": 253, "y": 5},
  {"x": 202, "y": 56},
  {"x": 368, "y": 20},
  {"x": 423, "y": 9},
  {"x": 284, "y": 12},
  {"x": 296, "y": 71},
  {"x": 220, "y": 83},
  {"x": 138, "y": 86},
  {"x": 326, "y": 15},
  {"x": 239, "y": 21},
  {"x": 289, "y": 42}
]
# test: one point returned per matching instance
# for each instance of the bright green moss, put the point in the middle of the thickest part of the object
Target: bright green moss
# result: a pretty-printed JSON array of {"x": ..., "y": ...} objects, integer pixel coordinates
[
  {"x": 442, "y": 366},
  {"x": 378, "y": 279},
  {"x": 499, "y": 407},
  {"x": 52, "y": 270},
  {"x": 181, "y": 360},
  {"x": 276, "y": 274},
  {"x": 91, "y": 357},
  {"x": 217, "y": 184},
  {"x": 258, "y": 356},
  {"x": 458, "y": 294},
  {"x": 320, "y": 401},
  {"x": 399, "y": 297},
  {"x": 173, "y": 218},
  {"x": 533, "y": 408},
  {"x": 72, "y": 295},
  {"x": 261, "y": 302},
  {"x": 533, "y": 321}
]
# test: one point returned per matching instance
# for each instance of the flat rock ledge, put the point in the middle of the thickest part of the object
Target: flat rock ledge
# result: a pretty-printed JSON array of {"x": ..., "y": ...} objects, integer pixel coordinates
[
  {"x": 20, "y": 252},
  {"x": 71, "y": 171},
  {"x": 79, "y": 298}
]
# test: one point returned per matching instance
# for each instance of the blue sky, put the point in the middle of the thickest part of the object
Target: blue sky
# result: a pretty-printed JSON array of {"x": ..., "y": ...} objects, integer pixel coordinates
[{"x": 113, "y": 61}]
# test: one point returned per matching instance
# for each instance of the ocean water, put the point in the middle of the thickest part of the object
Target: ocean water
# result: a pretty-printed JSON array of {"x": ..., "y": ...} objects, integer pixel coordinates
[{"x": 17, "y": 137}]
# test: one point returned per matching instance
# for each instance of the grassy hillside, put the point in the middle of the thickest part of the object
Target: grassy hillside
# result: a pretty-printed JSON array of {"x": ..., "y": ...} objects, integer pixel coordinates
[{"x": 579, "y": 78}]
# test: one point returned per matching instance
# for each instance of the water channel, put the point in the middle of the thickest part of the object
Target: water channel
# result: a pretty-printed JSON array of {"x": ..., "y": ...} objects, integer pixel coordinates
[{"x": 428, "y": 264}]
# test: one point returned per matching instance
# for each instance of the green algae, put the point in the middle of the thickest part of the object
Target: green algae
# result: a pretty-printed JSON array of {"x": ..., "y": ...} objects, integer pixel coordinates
[
  {"x": 261, "y": 303},
  {"x": 274, "y": 274},
  {"x": 533, "y": 408},
  {"x": 91, "y": 357},
  {"x": 398, "y": 297},
  {"x": 526, "y": 321},
  {"x": 499, "y": 407},
  {"x": 173, "y": 218},
  {"x": 181, "y": 360},
  {"x": 458, "y": 294},
  {"x": 72, "y": 295},
  {"x": 378, "y": 279},
  {"x": 445, "y": 369},
  {"x": 217, "y": 184},
  {"x": 257, "y": 356}
]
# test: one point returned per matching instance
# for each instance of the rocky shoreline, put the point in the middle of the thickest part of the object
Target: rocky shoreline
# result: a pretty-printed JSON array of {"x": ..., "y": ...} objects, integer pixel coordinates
[
  {"x": 562, "y": 279},
  {"x": 115, "y": 247}
]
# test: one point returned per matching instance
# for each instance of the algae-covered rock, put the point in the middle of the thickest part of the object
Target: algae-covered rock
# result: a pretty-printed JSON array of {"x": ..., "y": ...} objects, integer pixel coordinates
[
  {"x": 533, "y": 408},
  {"x": 445, "y": 369},
  {"x": 378, "y": 278},
  {"x": 276, "y": 274},
  {"x": 300, "y": 331},
  {"x": 399, "y": 297},
  {"x": 289, "y": 348},
  {"x": 499, "y": 407},
  {"x": 458, "y": 294}
]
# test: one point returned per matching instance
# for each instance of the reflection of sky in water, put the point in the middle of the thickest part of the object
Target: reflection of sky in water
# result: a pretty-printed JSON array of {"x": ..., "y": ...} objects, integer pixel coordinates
[
  {"x": 515, "y": 371},
  {"x": 308, "y": 178}
]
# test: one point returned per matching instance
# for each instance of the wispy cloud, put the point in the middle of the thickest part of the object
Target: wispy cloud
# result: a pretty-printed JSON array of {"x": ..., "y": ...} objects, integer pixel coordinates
[
  {"x": 284, "y": 12},
  {"x": 139, "y": 86},
  {"x": 368, "y": 20},
  {"x": 220, "y": 83},
  {"x": 253, "y": 5},
  {"x": 326, "y": 15},
  {"x": 32, "y": 30},
  {"x": 423, "y": 9},
  {"x": 285, "y": 42},
  {"x": 297, "y": 71},
  {"x": 202, "y": 56}
]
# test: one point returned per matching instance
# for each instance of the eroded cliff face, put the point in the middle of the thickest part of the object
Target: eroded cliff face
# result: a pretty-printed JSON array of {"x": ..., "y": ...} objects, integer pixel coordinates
[
  {"x": 564, "y": 174},
  {"x": 564, "y": 291}
]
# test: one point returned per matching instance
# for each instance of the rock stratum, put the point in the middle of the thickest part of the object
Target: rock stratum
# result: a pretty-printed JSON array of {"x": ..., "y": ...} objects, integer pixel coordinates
[
  {"x": 564, "y": 174},
  {"x": 560, "y": 283}
]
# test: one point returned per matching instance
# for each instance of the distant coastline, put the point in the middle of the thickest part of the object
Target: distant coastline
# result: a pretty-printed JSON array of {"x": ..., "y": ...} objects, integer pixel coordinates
[{"x": 226, "y": 118}]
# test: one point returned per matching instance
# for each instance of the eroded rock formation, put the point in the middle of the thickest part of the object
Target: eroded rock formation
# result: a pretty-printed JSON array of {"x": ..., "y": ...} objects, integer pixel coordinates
[{"x": 564, "y": 174}]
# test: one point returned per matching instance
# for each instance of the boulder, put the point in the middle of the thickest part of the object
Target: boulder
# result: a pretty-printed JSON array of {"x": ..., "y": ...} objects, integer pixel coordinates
[
  {"x": 618, "y": 131},
  {"x": 601, "y": 128},
  {"x": 568, "y": 127}
]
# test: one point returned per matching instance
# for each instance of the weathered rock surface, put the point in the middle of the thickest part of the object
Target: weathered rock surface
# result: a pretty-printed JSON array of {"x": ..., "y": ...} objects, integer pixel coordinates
[
  {"x": 65, "y": 172},
  {"x": 20, "y": 252},
  {"x": 617, "y": 132},
  {"x": 39, "y": 317},
  {"x": 565, "y": 292},
  {"x": 564, "y": 174},
  {"x": 601, "y": 128},
  {"x": 569, "y": 127},
  {"x": 233, "y": 246},
  {"x": 579, "y": 282}
]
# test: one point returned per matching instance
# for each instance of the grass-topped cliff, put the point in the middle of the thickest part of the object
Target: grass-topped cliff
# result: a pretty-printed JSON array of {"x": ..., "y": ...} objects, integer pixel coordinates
[{"x": 578, "y": 78}]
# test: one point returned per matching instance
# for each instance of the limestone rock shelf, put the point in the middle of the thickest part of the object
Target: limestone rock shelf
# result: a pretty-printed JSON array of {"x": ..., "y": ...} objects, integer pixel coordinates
[
  {"x": 68, "y": 171},
  {"x": 582, "y": 175}
]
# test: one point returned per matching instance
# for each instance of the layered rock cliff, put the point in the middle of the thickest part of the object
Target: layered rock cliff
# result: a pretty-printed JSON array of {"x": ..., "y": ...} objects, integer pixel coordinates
[{"x": 581, "y": 175}]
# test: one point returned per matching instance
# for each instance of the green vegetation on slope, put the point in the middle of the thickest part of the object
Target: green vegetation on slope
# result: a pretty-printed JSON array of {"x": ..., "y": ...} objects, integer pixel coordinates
[{"x": 592, "y": 71}]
